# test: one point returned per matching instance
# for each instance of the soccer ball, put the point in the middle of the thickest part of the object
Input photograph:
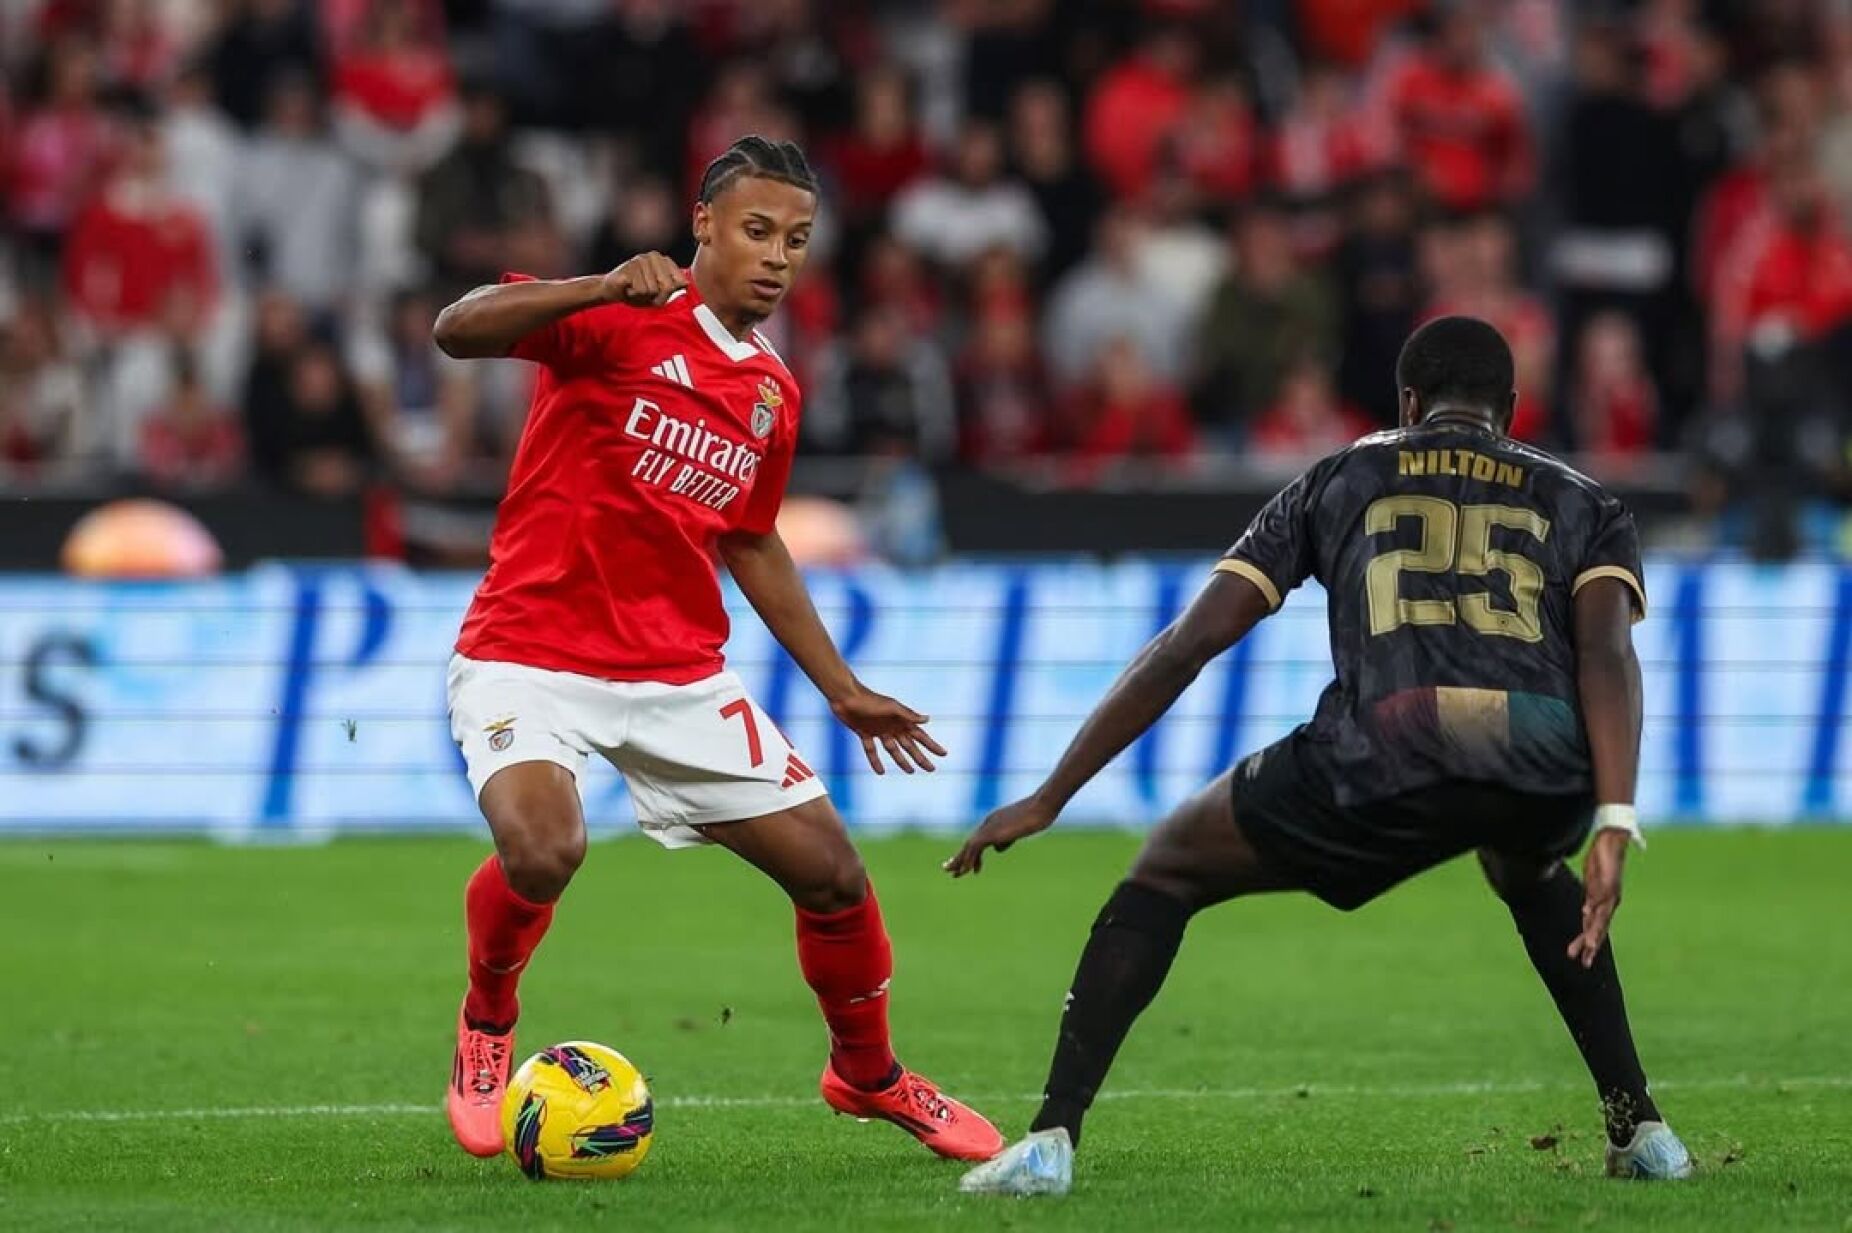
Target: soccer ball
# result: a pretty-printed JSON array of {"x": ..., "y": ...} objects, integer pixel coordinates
[{"x": 577, "y": 1110}]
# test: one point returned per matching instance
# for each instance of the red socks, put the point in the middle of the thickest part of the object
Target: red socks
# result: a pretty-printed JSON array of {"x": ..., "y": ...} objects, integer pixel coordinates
[
  {"x": 504, "y": 929},
  {"x": 847, "y": 961},
  {"x": 845, "y": 955}
]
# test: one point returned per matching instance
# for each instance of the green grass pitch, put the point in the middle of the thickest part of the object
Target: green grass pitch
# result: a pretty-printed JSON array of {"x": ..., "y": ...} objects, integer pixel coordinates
[{"x": 257, "y": 1038}]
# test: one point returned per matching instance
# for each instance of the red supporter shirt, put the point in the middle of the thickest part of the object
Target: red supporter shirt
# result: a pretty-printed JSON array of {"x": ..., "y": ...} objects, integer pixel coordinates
[
  {"x": 1132, "y": 112},
  {"x": 1734, "y": 201},
  {"x": 1156, "y": 425},
  {"x": 870, "y": 176},
  {"x": 653, "y": 432},
  {"x": 1348, "y": 31},
  {"x": 56, "y": 157},
  {"x": 398, "y": 90},
  {"x": 1223, "y": 154},
  {"x": 1310, "y": 156},
  {"x": 1620, "y": 420},
  {"x": 1465, "y": 132},
  {"x": 124, "y": 263},
  {"x": 1786, "y": 277}
]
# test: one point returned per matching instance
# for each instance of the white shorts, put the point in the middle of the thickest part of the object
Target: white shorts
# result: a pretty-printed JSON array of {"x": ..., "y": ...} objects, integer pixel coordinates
[{"x": 690, "y": 754}]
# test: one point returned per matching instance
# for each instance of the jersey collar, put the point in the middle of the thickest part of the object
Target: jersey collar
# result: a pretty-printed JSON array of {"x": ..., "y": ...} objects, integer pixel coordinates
[
  {"x": 1450, "y": 418},
  {"x": 718, "y": 334}
]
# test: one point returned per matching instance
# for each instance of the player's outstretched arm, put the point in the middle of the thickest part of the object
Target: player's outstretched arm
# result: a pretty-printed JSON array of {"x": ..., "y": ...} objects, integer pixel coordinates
[
  {"x": 1221, "y": 616},
  {"x": 1608, "y": 683},
  {"x": 489, "y": 321},
  {"x": 768, "y": 577}
]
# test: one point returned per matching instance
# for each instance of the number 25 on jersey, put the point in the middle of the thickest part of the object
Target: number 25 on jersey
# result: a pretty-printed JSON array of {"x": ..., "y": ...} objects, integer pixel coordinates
[{"x": 1455, "y": 539}]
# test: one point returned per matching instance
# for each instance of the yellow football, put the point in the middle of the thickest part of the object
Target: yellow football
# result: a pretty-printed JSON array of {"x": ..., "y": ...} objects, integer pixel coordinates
[{"x": 578, "y": 1110}]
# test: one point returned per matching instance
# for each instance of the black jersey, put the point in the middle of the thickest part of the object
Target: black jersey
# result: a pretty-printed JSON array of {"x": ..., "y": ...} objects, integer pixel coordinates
[{"x": 1450, "y": 557}]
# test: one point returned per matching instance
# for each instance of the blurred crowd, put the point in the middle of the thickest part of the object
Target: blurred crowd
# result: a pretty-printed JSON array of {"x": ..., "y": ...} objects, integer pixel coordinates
[{"x": 1068, "y": 230}]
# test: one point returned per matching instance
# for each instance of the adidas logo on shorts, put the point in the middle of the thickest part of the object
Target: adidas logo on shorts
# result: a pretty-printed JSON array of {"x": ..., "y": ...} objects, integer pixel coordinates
[
  {"x": 796, "y": 772},
  {"x": 675, "y": 369}
]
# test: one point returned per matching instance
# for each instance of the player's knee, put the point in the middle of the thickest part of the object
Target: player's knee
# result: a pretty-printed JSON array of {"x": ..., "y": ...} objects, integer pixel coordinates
[
  {"x": 1170, "y": 882},
  {"x": 1513, "y": 880},
  {"x": 834, "y": 884},
  {"x": 1174, "y": 871},
  {"x": 539, "y": 866}
]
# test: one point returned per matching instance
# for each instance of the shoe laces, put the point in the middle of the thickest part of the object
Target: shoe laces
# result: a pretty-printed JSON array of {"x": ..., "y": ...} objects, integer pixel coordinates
[
  {"x": 485, "y": 1060},
  {"x": 922, "y": 1095}
]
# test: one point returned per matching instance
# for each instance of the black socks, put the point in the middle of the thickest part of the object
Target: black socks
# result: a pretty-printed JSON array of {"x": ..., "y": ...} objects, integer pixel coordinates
[
  {"x": 1136, "y": 936},
  {"x": 1548, "y": 915},
  {"x": 1134, "y": 939}
]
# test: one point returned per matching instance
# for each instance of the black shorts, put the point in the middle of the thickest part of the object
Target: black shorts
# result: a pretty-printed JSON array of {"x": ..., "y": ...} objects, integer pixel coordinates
[{"x": 1347, "y": 855}]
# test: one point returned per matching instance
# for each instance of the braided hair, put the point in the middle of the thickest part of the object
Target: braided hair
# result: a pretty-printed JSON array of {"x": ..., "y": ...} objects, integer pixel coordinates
[{"x": 757, "y": 156}]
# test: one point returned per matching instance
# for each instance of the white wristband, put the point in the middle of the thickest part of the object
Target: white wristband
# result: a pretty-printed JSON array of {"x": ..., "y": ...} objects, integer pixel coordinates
[{"x": 1620, "y": 818}]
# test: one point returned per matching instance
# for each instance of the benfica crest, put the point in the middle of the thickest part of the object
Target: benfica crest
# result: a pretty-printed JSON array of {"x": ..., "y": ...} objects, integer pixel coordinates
[{"x": 765, "y": 411}]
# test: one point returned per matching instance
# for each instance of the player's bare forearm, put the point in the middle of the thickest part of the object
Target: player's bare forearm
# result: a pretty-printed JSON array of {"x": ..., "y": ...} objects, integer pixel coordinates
[
  {"x": 1143, "y": 692},
  {"x": 489, "y": 321},
  {"x": 1221, "y": 615},
  {"x": 769, "y": 579},
  {"x": 1138, "y": 699},
  {"x": 1611, "y": 696},
  {"x": 1608, "y": 682}
]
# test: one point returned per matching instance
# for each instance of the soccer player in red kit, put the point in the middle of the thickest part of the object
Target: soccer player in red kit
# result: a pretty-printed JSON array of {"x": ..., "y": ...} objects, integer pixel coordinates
[{"x": 661, "y": 435}]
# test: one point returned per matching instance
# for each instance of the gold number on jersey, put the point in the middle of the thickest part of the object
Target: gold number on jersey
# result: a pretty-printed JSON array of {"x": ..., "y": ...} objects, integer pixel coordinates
[
  {"x": 1478, "y": 558},
  {"x": 1440, "y": 525},
  {"x": 1456, "y": 538}
]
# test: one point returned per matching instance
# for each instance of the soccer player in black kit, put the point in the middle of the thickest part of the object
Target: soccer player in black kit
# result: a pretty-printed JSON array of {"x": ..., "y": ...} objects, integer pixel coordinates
[{"x": 1480, "y": 600}]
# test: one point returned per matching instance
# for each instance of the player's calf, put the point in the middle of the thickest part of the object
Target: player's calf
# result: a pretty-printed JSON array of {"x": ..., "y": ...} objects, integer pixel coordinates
[
  {"x": 1545, "y": 901},
  {"x": 504, "y": 929},
  {"x": 533, "y": 810},
  {"x": 1196, "y": 857},
  {"x": 1128, "y": 954}
]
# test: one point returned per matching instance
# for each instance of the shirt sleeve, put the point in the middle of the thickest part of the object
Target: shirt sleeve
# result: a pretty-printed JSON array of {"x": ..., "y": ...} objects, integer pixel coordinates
[
  {"x": 1613, "y": 552},
  {"x": 1275, "y": 552},
  {"x": 768, "y": 487},
  {"x": 573, "y": 340}
]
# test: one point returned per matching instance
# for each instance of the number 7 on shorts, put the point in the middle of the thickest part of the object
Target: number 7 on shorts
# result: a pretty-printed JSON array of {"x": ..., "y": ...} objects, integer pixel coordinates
[{"x": 742, "y": 708}]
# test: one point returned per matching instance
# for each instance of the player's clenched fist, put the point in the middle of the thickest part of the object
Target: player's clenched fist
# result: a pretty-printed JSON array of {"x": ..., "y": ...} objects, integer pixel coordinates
[{"x": 646, "y": 280}]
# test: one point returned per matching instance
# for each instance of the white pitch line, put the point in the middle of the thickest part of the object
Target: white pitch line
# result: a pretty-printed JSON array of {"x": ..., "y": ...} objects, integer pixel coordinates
[
  {"x": 1361, "y": 1091},
  {"x": 1471, "y": 1088}
]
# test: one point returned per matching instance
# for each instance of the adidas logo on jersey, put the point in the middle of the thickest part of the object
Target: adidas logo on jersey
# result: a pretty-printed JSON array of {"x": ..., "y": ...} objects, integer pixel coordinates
[{"x": 675, "y": 369}]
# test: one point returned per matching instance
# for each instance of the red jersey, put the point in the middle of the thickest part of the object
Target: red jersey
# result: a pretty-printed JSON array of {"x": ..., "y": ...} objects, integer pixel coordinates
[{"x": 653, "y": 432}]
